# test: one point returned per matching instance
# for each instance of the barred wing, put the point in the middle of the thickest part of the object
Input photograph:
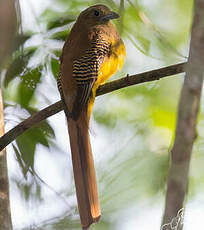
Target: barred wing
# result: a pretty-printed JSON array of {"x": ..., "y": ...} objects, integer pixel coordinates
[{"x": 85, "y": 72}]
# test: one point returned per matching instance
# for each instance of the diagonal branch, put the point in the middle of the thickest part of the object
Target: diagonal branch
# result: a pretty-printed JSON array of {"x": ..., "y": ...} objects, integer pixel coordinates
[{"x": 153, "y": 75}]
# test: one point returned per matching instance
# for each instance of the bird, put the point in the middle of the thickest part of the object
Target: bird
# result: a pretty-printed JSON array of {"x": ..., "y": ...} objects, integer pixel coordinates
[{"x": 92, "y": 52}]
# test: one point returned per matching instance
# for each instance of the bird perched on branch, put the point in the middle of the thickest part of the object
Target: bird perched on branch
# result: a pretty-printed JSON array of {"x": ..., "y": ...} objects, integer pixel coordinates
[{"x": 92, "y": 53}]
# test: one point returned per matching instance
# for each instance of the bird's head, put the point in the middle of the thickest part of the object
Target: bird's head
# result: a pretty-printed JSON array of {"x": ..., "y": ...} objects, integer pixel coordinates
[{"x": 96, "y": 15}]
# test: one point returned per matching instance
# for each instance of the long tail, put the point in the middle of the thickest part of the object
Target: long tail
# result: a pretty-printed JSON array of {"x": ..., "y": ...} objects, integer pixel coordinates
[{"x": 84, "y": 172}]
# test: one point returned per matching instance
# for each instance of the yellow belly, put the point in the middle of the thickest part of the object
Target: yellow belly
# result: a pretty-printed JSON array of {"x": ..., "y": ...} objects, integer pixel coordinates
[{"x": 109, "y": 66}]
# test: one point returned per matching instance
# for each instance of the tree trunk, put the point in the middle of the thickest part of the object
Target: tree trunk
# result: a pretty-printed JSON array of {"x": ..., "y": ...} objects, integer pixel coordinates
[
  {"x": 5, "y": 213},
  {"x": 8, "y": 24},
  {"x": 186, "y": 125}
]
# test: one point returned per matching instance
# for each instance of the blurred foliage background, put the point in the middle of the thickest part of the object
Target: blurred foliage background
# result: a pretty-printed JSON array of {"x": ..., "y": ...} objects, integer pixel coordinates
[{"x": 131, "y": 129}]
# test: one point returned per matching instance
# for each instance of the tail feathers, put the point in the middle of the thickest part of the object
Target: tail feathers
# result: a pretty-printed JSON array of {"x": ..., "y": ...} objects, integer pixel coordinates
[{"x": 84, "y": 172}]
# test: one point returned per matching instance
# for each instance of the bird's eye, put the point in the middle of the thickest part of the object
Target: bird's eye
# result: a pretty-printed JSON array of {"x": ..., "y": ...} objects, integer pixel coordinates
[{"x": 96, "y": 13}]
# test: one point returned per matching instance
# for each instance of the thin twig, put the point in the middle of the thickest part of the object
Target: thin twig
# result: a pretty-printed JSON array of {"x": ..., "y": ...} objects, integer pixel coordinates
[
  {"x": 121, "y": 13},
  {"x": 106, "y": 88}
]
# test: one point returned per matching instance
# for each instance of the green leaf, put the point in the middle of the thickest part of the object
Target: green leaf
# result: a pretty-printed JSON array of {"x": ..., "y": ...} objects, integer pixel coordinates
[
  {"x": 107, "y": 119},
  {"x": 55, "y": 67},
  {"x": 60, "y": 21},
  {"x": 26, "y": 145},
  {"x": 43, "y": 132},
  {"x": 20, "y": 160},
  {"x": 28, "y": 86},
  {"x": 27, "y": 191},
  {"x": 18, "y": 65},
  {"x": 27, "y": 142},
  {"x": 43, "y": 126},
  {"x": 164, "y": 118},
  {"x": 145, "y": 43},
  {"x": 62, "y": 35}
]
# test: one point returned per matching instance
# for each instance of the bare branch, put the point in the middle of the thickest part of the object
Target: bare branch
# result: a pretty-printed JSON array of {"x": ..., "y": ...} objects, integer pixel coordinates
[
  {"x": 186, "y": 121},
  {"x": 152, "y": 75},
  {"x": 106, "y": 88}
]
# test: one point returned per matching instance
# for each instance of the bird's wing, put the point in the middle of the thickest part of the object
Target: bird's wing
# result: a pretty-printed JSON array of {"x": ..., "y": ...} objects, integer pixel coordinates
[{"x": 85, "y": 72}]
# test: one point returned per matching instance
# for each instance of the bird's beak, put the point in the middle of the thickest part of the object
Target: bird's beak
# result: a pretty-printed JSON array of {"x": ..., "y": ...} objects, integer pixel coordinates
[{"x": 111, "y": 15}]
